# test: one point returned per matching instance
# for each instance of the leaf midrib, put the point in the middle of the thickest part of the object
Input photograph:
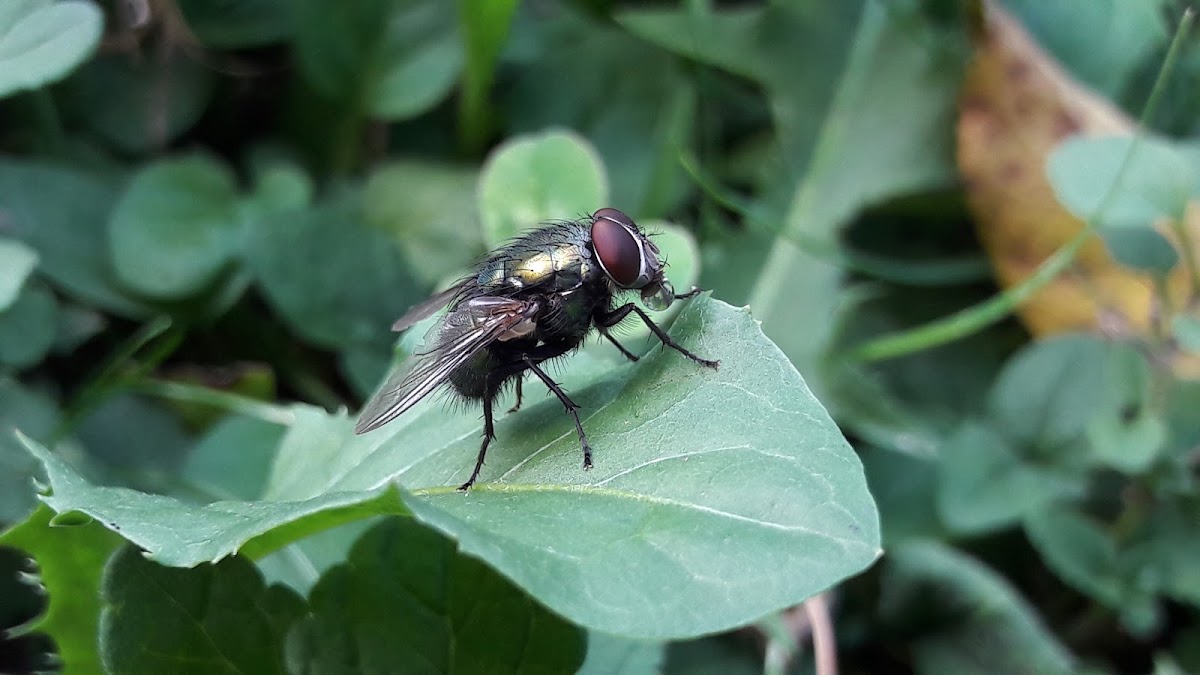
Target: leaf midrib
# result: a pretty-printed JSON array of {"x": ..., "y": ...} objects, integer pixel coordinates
[{"x": 592, "y": 490}]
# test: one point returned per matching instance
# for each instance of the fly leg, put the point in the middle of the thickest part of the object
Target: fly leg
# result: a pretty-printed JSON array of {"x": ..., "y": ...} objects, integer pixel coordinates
[
  {"x": 620, "y": 347},
  {"x": 614, "y": 317},
  {"x": 571, "y": 406},
  {"x": 517, "y": 407},
  {"x": 489, "y": 432}
]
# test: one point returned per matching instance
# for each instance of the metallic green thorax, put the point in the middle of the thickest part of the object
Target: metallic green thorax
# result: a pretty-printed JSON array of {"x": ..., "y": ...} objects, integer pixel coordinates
[{"x": 552, "y": 259}]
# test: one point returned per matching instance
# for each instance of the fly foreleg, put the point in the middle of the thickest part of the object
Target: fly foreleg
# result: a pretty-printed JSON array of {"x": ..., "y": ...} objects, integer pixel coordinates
[{"x": 610, "y": 319}]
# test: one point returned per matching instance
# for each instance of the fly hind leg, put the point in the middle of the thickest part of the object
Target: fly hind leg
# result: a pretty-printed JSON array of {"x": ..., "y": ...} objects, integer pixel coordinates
[{"x": 489, "y": 432}]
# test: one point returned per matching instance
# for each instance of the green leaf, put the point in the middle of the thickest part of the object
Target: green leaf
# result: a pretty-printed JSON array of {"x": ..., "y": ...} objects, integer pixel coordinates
[
  {"x": 1127, "y": 430},
  {"x": 407, "y": 601},
  {"x": 392, "y": 59},
  {"x": 963, "y": 617},
  {"x": 237, "y": 24},
  {"x": 1083, "y": 554},
  {"x": 335, "y": 279},
  {"x": 233, "y": 459},
  {"x": 863, "y": 102},
  {"x": 63, "y": 213},
  {"x": 159, "y": 445},
  {"x": 1102, "y": 42},
  {"x": 16, "y": 263},
  {"x": 1134, "y": 245},
  {"x": 35, "y": 415},
  {"x": 430, "y": 211},
  {"x": 699, "y": 476},
  {"x": 70, "y": 561},
  {"x": 42, "y": 40},
  {"x": 905, "y": 488},
  {"x": 985, "y": 484},
  {"x": 138, "y": 104},
  {"x": 27, "y": 328},
  {"x": 213, "y": 618},
  {"x": 1156, "y": 183},
  {"x": 1048, "y": 392},
  {"x": 1161, "y": 553},
  {"x": 176, "y": 228},
  {"x": 612, "y": 655},
  {"x": 532, "y": 179},
  {"x": 1186, "y": 330}
]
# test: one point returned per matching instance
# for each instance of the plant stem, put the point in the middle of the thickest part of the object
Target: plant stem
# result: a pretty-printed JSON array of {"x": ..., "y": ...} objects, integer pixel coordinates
[
  {"x": 111, "y": 370},
  {"x": 824, "y": 641},
  {"x": 223, "y": 400}
]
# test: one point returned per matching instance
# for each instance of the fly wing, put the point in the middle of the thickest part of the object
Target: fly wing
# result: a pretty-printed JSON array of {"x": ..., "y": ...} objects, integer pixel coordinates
[
  {"x": 465, "y": 331},
  {"x": 426, "y": 308}
]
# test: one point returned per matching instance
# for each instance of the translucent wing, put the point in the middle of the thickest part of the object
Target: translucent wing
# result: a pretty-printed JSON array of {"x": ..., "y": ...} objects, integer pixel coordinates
[
  {"x": 426, "y": 308},
  {"x": 466, "y": 330}
]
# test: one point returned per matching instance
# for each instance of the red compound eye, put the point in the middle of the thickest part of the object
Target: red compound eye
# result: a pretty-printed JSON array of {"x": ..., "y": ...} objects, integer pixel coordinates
[{"x": 618, "y": 248}]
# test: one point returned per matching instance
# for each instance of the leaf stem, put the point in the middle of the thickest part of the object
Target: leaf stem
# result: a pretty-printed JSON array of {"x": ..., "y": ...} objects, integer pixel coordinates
[
  {"x": 824, "y": 642},
  {"x": 223, "y": 400},
  {"x": 111, "y": 371},
  {"x": 976, "y": 318}
]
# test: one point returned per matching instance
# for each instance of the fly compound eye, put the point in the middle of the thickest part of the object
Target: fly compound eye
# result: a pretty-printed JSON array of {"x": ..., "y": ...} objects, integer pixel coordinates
[{"x": 619, "y": 249}]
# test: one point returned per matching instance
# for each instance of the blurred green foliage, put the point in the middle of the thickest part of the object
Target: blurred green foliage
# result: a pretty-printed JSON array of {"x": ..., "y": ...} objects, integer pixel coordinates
[{"x": 212, "y": 211}]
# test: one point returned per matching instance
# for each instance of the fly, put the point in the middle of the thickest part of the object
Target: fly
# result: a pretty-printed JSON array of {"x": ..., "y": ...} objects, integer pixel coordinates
[{"x": 530, "y": 301}]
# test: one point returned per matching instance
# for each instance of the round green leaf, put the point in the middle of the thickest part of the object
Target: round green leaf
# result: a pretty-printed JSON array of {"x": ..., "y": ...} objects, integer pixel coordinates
[
  {"x": 63, "y": 214},
  {"x": 533, "y": 179},
  {"x": 429, "y": 209},
  {"x": 16, "y": 262},
  {"x": 176, "y": 227},
  {"x": 1085, "y": 556},
  {"x": 337, "y": 281},
  {"x": 985, "y": 484},
  {"x": 1157, "y": 181},
  {"x": 41, "y": 41},
  {"x": 1140, "y": 247},
  {"x": 1186, "y": 329},
  {"x": 393, "y": 59},
  {"x": 27, "y": 328},
  {"x": 139, "y": 104}
]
